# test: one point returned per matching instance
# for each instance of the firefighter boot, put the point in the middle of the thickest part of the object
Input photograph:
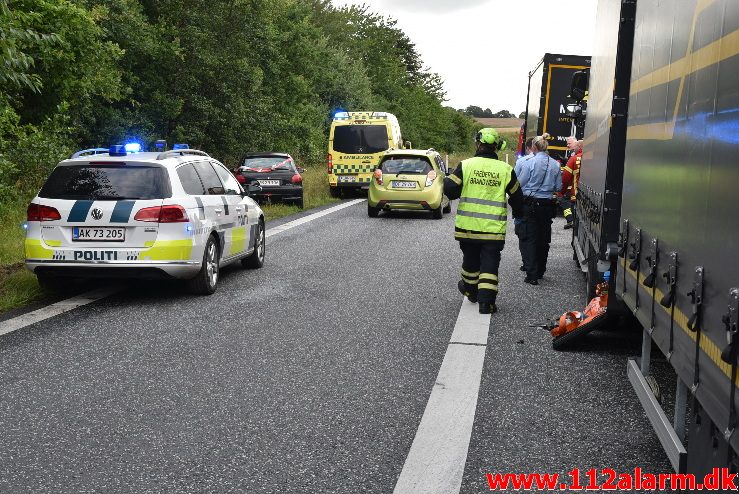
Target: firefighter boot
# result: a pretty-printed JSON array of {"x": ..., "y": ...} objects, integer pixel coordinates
[
  {"x": 486, "y": 308},
  {"x": 470, "y": 294}
]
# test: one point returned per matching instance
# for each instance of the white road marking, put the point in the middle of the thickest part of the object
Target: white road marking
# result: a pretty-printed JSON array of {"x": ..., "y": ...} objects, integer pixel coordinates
[
  {"x": 435, "y": 462},
  {"x": 57, "y": 308},
  {"x": 311, "y": 217},
  {"x": 54, "y": 309}
]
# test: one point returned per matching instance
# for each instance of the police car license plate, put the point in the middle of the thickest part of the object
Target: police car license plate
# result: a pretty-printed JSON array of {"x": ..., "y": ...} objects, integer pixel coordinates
[
  {"x": 83, "y": 234},
  {"x": 269, "y": 183},
  {"x": 347, "y": 178},
  {"x": 403, "y": 185}
]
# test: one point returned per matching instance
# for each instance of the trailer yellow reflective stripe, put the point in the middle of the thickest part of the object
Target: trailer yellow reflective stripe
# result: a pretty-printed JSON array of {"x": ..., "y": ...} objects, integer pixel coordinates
[{"x": 681, "y": 320}]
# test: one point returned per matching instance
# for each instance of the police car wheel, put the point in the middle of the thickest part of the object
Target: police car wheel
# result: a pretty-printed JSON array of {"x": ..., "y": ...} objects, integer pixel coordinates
[
  {"x": 205, "y": 281},
  {"x": 437, "y": 213},
  {"x": 255, "y": 260}
]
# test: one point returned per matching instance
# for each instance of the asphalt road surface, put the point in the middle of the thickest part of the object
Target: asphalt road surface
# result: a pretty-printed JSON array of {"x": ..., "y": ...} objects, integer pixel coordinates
[{"x": 311, "y": 374}]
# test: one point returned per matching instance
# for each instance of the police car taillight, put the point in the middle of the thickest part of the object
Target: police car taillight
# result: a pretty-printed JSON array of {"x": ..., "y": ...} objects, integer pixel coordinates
[
  {"x": 296, "y": 179},
  {"x": 330, "y": 164},
  {"x": 378, "y": 176},
  {"x": 37, "y": 212},
  {"x": 171, "y": 213}
]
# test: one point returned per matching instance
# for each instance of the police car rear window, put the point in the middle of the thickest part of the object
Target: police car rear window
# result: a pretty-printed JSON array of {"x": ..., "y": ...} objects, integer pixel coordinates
[
  {"x": 399, "y": 164},
  {"x": 360, "y": 139},
  {"x": 107, "y": 182}
]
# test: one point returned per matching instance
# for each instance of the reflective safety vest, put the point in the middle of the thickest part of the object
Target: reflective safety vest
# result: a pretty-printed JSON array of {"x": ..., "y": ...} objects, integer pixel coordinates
[{"x": 483, "y": 204}]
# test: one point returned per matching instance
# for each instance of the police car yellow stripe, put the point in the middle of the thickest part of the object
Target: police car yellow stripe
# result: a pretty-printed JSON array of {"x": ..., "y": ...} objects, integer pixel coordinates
[
  {"x": 167, "y": 250},
  {"x": 238, "y": 240},
  {"x": 35, "y": 249}
]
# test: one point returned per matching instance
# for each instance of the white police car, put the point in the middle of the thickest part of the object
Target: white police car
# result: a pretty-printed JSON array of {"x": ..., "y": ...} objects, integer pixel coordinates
[{"x": 122, "y": 213}]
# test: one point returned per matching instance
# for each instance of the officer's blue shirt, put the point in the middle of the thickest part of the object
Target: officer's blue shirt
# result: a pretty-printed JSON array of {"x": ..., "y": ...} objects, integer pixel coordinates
[
  {"x": 520, "y": 161},
  {"x": 540, "y": 176}
]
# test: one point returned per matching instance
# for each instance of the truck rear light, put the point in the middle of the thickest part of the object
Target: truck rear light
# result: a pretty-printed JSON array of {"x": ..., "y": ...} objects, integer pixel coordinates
[
  {"x": 171, "y": 213},
  {"x": 38, "y": 212},
  {"x": 430, "y": 177},
  {"x": 330, "y": 160},
  {"x": 297, "y": 179},
  {"x": 378, "y": 176}
]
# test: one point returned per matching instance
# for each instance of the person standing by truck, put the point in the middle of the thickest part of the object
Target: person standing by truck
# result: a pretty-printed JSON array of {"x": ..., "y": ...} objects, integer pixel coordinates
[
  {"x": 540, "y": 177},
  {"x": 570, "y": 178},
  {"x": 483, "y": 185}
]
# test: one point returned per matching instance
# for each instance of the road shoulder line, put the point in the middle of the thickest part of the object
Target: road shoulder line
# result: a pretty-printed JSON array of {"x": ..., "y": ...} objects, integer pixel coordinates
[
  {"x": 436, "y": 460},
  {"x": 55, "y": 309},
  {"x": 306, "y": 219}
]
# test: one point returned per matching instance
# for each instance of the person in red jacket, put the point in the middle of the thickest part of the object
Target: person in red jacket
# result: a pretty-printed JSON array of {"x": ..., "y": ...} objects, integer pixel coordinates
[{"x": 570, "y": 180}]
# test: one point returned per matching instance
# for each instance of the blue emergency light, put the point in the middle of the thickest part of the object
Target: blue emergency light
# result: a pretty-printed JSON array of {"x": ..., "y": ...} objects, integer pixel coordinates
[
  {"x": 160, "y": 145},
  {"x": 180, "y": 146},
  {"x": 341, "y": 115},
  {"x": 117, "y": 150},
  {"x": 132, "y": 147}
]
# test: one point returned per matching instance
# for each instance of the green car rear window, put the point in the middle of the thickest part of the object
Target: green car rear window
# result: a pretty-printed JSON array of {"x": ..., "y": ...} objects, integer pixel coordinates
[{"x": 406, "y": 164}]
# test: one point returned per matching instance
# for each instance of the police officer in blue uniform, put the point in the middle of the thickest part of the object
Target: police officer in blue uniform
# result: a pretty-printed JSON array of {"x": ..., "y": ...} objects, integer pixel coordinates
[{"x": 540, "y": 177}]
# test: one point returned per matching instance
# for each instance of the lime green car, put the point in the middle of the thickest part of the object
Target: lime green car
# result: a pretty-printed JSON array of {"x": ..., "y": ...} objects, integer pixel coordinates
[{"x": 410, "y": 179}]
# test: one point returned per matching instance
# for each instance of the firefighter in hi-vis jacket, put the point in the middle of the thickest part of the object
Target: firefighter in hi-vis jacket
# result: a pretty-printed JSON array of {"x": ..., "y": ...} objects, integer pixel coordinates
[
  {"x": 485, "y": 186},
  {"x": 570, "y": 179}
]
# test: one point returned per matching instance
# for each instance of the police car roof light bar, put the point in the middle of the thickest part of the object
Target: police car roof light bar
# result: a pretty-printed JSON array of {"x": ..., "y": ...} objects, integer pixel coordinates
[
  {"x": 181, "y": 152},
  {"x": 117, "y": 150},
  {"x": 88, "y": 152}
]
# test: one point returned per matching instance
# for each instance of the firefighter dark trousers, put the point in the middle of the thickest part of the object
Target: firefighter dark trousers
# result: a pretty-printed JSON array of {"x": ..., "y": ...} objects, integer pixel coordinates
[
  {"x": 568, "y": 208},
  {"x": 480, "y": 262},
  {"x": 534, "y": 233}
]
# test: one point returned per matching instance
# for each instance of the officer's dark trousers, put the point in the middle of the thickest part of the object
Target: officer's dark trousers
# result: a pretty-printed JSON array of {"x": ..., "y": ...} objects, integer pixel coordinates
[
  {"x": 480, "y": 262},
  {"x": 535, "y": 235}
]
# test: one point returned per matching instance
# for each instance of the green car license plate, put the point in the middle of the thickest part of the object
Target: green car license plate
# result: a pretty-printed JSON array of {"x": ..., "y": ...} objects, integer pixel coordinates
[{"x": 397, "y": 184}]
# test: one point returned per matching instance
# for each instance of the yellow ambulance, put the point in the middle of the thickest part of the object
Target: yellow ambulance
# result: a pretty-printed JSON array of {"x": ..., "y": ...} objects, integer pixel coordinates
[{"x": 356, "y": 142}]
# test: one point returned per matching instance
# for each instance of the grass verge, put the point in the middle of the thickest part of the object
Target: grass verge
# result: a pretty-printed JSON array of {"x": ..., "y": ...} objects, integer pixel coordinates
[{"x": 18, "y": 287}]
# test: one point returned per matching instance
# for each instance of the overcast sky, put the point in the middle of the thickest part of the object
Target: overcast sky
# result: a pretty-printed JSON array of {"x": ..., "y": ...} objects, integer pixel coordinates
[{"x": 456, "y": 40}]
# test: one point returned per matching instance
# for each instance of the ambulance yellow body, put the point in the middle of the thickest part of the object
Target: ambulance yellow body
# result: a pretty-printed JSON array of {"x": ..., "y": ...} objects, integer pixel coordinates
[{"x": 357, "y": 141}]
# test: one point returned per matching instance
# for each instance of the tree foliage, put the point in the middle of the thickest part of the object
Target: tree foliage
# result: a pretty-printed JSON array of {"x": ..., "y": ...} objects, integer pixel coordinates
[
  {"x": 228, "y": 77},
  {"x": 476, "y": 111}
]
